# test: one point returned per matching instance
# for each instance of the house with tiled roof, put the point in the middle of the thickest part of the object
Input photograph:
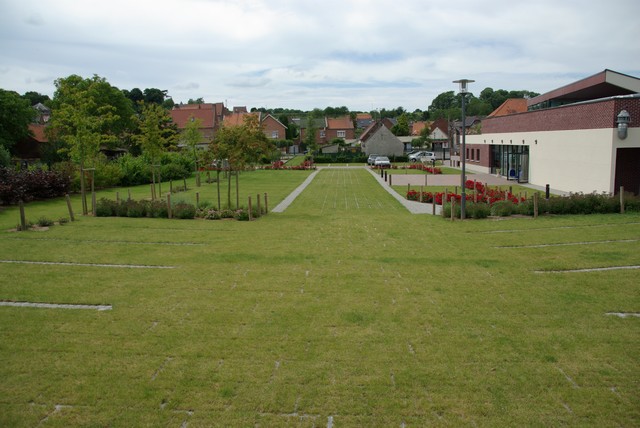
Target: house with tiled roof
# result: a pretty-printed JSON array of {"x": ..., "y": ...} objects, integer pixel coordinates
[
  {"x": 417, "y": 127},
  {"x": 340, "y": 127},
  {"x": 273, "y": 129},
  {"x": 582, "y": 137},
  {"x": 210, "y": 115},
  {"x": 440, "y": 138},
  {"x": 378, "y": 139},
  {"x": 328, "y": 129},
  {"x": 363, "y": 120}
]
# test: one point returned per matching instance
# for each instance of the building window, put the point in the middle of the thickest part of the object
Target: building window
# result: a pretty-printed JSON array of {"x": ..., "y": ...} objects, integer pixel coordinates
[
  {"x": 478, "y": 155},
  {"x": 274, "y": 134},
  {"x": 467, "y": 154},
  {"x": 342, "y": 134},
  {"x": 322, "y": 134}
]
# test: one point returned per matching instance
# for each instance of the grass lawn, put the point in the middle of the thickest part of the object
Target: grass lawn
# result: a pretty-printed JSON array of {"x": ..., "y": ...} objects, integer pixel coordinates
[{"x": 345, "y": 310}]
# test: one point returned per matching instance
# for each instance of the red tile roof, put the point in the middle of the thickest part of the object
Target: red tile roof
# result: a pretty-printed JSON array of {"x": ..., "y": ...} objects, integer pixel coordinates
[
  {"x": 417, "y": 127},
  {"x": 183, "y": 114},
  {"x": 510, "y": 106},
  {"x": 344, "y": 122},
  {"x": 236, "y": 119},
  {"x": 38, "y": 133}
]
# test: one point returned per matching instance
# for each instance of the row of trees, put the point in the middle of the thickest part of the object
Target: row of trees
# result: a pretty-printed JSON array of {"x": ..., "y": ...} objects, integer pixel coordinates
[{"x": 89, "y": 114}]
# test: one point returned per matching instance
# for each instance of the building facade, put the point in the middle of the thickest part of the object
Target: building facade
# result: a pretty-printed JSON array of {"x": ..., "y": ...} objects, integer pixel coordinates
[{"x": 568, "y": 139}]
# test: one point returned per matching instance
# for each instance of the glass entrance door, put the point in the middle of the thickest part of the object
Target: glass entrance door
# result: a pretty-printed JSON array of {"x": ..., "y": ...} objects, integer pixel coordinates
[{"x": 512, "y": 162}]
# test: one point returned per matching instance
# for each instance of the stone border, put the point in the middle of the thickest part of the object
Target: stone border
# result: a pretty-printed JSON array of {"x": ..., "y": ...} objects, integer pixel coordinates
[
  {"x": 293, "y": 195},
  {"x": 564, "y": 244},
  {"x": 28, "y": 262},
  {"x": 624, "y": 314},
  {"x": 588, "y": 269},
  {"x": 55, "y": 305}
]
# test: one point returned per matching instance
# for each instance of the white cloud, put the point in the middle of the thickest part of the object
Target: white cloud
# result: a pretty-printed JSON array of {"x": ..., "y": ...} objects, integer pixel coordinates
[{"x": 303, "y": 53}]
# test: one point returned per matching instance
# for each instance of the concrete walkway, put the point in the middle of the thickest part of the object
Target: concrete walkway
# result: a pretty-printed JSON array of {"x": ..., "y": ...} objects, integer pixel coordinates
[
  {"x": 414, "y": 207},
  {"x": 399, "y": 179},
  {"x": 293, "y": 195}
]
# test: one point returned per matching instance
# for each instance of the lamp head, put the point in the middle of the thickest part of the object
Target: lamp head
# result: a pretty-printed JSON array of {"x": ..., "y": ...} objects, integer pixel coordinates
[
  {"x": 623, "y": 121},
  {"x": 463, "y": 85}
]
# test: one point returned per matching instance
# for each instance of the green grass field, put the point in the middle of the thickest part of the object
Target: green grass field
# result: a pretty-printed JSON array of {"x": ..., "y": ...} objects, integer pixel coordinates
[{"x": 345, "y": 310}]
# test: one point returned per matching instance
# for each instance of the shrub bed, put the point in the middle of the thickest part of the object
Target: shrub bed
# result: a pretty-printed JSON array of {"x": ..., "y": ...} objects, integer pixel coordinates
[
  {"x": 504, "y": 204},
  {"x": 28, "y": 185}
]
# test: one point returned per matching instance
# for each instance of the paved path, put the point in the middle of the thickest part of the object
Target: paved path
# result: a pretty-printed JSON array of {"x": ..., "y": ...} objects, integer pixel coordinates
[
  {"x": 400, "y": 179},
  {"x": 413, "y": 206},
  {"x": 293, "y": 195}
]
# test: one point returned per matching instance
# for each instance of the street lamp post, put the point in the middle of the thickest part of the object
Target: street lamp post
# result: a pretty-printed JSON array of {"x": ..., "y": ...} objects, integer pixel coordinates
[{"x": 463, "y": 155}]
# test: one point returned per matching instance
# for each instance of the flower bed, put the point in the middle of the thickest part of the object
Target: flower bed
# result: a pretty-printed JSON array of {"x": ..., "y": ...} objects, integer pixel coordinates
[
  {"x": 280, "y": 165},
  {"x": 502, "y": 203}
]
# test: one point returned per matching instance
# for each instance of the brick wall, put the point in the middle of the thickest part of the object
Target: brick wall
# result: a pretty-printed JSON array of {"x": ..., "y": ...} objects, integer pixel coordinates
[{"x": 595, "y": 115}]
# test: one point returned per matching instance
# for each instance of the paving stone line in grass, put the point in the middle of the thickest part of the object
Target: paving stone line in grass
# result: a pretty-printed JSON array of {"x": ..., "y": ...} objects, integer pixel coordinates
[
  {"x": 293, "y": 195},
  {"x": 29, "y": 262},
  {"x": 554, "y": 228},
  {"x": 588, "y": 269},
  {"x": 561, "y": 244},
  {"x": 98, "y": 241},
  {"x": 55, "y": 305},
  {"x": 624, "y": 314}
]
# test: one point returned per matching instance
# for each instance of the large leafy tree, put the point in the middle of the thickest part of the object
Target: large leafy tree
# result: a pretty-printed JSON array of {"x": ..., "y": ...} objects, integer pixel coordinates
[
  {"x": 86, "y": 115},
  {"x": 154, "y": 95},
  {"x": 401, "y": 128},
  {"x": 15, "y": 116},
  {"x": 35, "y": 98},
  {"x": 75, "y": 89}
]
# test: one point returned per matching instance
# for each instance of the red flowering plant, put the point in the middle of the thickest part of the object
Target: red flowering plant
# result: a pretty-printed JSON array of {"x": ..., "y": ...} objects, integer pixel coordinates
[{"x": 413, "y": 195}]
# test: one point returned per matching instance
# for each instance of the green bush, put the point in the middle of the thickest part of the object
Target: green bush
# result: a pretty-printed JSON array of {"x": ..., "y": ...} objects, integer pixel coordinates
[
  {"x": 135, "y": 170},
  {"x": 502, "y": 208},
  {"x": 44, "y": 222},
  {"x": 242, "y": 215},
  {"x": 5, "y": 157},
  {"x": 446, "y": 210},
  {"x": 478, "y": 210},
  {"x": 136, "y": 209},
  {"x": 157, "y": 209},
  {"x": 183, "y": 210},
  {"x": 106, "y": 208}
]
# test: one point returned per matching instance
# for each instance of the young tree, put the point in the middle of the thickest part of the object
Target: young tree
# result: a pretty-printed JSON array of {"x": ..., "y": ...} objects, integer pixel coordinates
[
  {"x": 152, "y": 138},
  {"x": 191, "y": 137},
  {"x": 240, "y": 145}
]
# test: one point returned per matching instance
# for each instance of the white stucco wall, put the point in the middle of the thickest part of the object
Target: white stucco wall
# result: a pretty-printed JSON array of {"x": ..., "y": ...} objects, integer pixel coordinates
[{"x": 571, "y": 161}]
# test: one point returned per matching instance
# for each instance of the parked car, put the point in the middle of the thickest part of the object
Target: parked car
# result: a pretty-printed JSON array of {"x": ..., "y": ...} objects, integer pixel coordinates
[
  {"x": 371, "y": 159},
  {"x": 382, "y": 162},
  {"x": 421, "y": 156}
]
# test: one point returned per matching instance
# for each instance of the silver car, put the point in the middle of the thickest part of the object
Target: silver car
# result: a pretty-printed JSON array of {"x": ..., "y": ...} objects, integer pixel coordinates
[{"x": 382, "y": 162}]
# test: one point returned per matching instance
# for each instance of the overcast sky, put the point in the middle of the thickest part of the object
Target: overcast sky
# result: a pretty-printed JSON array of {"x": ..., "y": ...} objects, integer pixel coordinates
[{"x": 363, "y": 54}]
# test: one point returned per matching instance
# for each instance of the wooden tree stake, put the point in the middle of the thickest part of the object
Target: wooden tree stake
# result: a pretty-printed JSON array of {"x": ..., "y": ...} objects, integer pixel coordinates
[
  {"x": 23, "y": 218},
  {"x": 69, "y": 207}
]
